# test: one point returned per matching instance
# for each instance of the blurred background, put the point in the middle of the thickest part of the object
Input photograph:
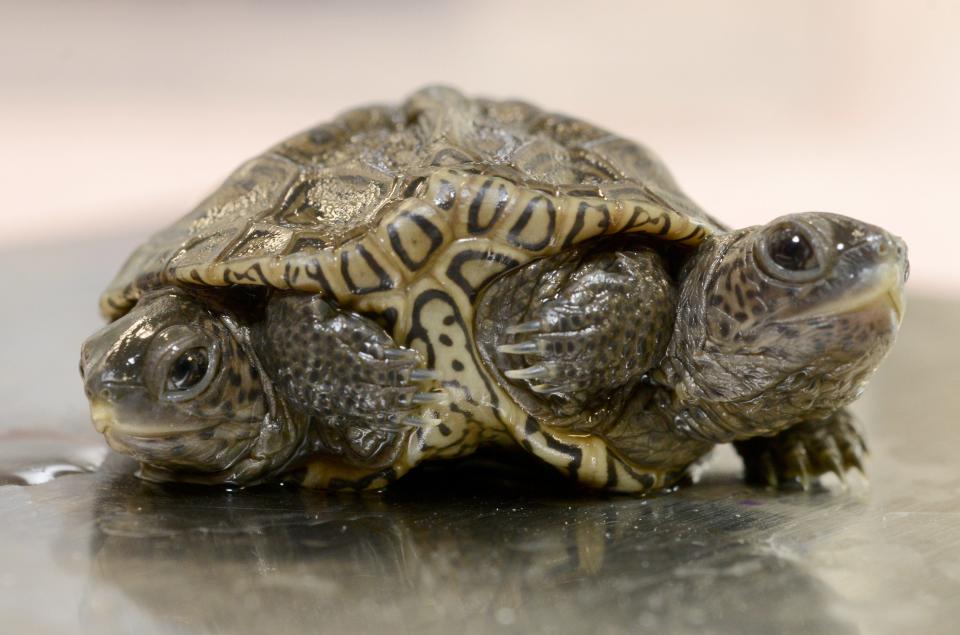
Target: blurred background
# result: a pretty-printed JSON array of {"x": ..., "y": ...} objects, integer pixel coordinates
[{"x": 118, "y": 117}]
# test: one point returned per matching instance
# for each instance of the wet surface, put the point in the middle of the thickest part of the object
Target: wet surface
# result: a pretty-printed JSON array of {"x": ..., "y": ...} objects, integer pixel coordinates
[{"x": 477, "y": 546}]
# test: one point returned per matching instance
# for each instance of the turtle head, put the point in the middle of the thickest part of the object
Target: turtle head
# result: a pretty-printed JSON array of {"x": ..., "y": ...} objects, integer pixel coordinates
[
  {"x": 176, "y": 385},
  {"x": 785, "y": 321}
]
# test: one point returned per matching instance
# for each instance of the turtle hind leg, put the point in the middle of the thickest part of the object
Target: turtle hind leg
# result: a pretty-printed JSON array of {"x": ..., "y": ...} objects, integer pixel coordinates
[
  {"x": 578, "y": 325},
  {"x": 357, "y": 389},
  {"x": 801, "y": 453}
]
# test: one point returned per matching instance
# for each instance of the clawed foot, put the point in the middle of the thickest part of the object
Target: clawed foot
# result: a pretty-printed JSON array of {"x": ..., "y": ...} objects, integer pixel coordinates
[
  {"x": 339, "y": 364},
  {"x": 415, "y": 389},
  {"x": 387, "y": 391},
  {"x": 551, "y": 351},
  {"x": 601, "y": 325},
  {"x": 800, "y": 454}
]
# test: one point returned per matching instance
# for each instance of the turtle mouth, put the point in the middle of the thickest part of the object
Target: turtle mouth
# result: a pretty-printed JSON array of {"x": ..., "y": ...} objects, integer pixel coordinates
[
  {"x": 896, "y": 300},
  {"x": 102, "y": 416},
  {"x": 881, "y": 293},
  {"x": 105, "y": 421},
  {"x": 214, "y": 446}
]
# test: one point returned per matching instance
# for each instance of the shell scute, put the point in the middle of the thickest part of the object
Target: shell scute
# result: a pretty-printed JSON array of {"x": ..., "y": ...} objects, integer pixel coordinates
[
  {"x": 364, "y": 269},
  {"x": 374, "y": 200},
  {"x": 414, "y": 234},
  {"x": 592, "y": 218},
  {"x": 532, "y": 226}
]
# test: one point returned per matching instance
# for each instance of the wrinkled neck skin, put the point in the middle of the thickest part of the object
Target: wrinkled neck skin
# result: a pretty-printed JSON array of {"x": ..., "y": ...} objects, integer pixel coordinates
[
  {"x": 731, "y": 377},
  {"x": 705, "y": 403}
]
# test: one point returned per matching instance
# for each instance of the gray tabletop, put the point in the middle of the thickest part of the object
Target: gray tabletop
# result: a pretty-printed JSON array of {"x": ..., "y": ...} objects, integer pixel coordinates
[{"x": 472, "y": 546}]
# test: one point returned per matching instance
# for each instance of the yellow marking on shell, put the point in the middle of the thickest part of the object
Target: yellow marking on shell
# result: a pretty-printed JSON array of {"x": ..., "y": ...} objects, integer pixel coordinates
[
  {"x": 597, "y": 459},
  {"x": 443, "y": 324},
  {"x": 653, "y": 218},
  {"x": 115, "y": 303},
  {"x": 486, "y": 205},
  {"x": 364, "y": 267},
  {"x": 441, "y": 188},
  {"x": 412, "y": 235},
  {"x": 585, "y": 218},
  {"x": 480, "y": 202},
  {"x": 327, "y": 266},
  {"x": 472, "y": 262},
  {"x": 530, "y": 222},
  {"x": 377, "y": 303},
  {"x": 249, "y": 271}
]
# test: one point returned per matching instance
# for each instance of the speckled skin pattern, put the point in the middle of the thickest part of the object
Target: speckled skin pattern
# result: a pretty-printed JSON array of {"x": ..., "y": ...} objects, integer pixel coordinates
[
  {"x": 414, "y": 282},
  {"x": 598, "y": 320},
  {"x": 344, "y": 372}
]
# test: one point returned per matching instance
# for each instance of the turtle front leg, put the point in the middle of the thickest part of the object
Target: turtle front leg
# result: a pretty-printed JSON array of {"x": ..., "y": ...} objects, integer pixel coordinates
[
  {"x": 579, "y": 325},
  {"x": 803, "y": 452},
  {"x": 356, "y": 388}
]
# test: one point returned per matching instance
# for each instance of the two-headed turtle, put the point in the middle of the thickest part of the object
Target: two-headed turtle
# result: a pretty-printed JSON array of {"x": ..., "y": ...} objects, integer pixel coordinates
[{"x": 414, "y": 282}]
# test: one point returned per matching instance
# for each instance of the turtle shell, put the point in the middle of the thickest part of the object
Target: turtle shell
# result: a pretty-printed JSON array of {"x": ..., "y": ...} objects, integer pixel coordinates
[
  {"x": 362, "y": 207},
  {"x": 406, "y": 214}
]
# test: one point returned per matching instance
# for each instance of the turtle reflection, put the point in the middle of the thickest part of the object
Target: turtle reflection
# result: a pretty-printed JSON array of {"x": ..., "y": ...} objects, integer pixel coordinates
[{"x": 456, "y": 547}]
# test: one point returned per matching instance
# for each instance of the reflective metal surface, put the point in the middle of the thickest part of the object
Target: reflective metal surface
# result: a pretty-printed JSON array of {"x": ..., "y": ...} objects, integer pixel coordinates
[{"x": 476, "y": 546}]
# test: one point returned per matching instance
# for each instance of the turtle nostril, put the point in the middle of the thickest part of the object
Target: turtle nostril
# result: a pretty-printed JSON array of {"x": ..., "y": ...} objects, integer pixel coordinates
[
  {"x": 88, "y": 393},
  {"x": 883, "y": 248},
  {"x": 83, "y": 374}
]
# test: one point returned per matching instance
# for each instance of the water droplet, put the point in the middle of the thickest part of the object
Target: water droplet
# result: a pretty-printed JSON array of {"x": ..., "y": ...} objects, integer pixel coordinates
[{"x": 37, "y": 458}]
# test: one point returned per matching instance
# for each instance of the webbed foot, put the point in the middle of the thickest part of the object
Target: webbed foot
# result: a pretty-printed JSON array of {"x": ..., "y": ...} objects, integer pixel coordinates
[{"x": 801, "y": 453}]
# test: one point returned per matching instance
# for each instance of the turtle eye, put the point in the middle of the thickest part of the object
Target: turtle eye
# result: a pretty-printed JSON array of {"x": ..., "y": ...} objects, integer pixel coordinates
[
  {"x": 182, "y": 363},
  {"x": 791, "y": 250},
  {"x": 188, "y": 369},
  {"x": 788, "y": 251}
]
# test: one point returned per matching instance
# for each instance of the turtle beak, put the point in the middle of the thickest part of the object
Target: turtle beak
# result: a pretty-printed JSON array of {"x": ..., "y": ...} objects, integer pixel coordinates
[
  {"x": 92, "y": 356},
  {"x": 900, "y": 276},
  {"x": 895, "y": 297},
  {"x": 109, "y": 368},
  {"x": 98, "y": 391}
]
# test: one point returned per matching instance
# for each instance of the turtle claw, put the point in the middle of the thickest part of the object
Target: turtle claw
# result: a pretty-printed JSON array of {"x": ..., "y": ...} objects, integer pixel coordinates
[
  {"x": 539, "y": 371},
  {"x": 798, "y": 466},
  {"x": 419, "y": 398},
  {"x": 401, "y": 354},
  {"x": 533, "y": 326},
  {"x": 851, "y": 450},
  {"x": 423, "y": 375},
  {"x": 831, "y": 459},
  {"x": 854, "y": 459},
  {"x": 522, "y": 348},
  {"x": 417, "y": 387},
  {"x": 551, "y": 389},
  {"x": 799, "y": 455},
  {"x": 804, "y": 476},
  {"x": 834, "y": 465},
  {"x": 768, "y": 472},
  {"x": 413, "y": 421}
]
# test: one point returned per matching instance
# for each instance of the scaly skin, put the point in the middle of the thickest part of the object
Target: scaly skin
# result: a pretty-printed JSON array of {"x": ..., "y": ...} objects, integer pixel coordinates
[{"x": 804, "y": 451}]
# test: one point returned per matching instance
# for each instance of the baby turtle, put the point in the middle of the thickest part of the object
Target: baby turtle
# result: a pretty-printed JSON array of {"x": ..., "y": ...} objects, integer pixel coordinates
[{"x": 414, "y": 282}]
